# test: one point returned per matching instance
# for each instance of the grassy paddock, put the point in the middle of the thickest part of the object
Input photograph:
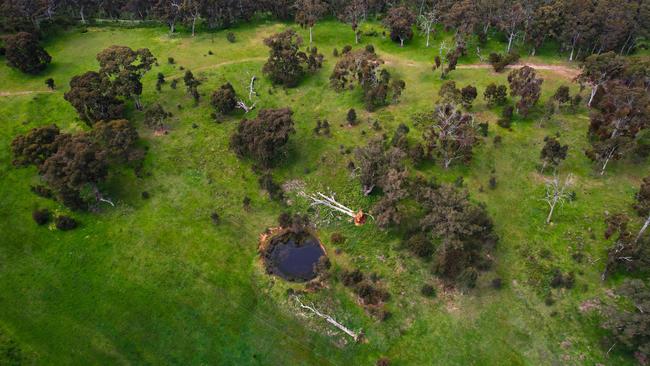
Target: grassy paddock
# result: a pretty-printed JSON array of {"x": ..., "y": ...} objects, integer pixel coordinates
[{"x": 154, "y": 281}]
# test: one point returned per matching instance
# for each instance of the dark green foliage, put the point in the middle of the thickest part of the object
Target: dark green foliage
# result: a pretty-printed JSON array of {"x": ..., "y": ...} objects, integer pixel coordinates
[
  {"x": 117, "y": 138},
  {"x": 93, "y": 98},
  {"x": 286, "y": 64},
  {"x": 448, "y": 133},
  {"x": 125, "y": 67},
  {"x": 230, "y": 36},
  {"x": 215, "y": 218},
  {"x": 553, "y": 153},
  {"x": 23, "y": 52},
  {"x": 387, "y": 210},
  {"x": 268, "y": 184},
  {"x": 375, "y": 161},
  {"x": 467, "y": 96},
  {"x": 495, "y": 94},
  {"x": 620, "y": 114},
  {"x": 506, "y": 117},
  {"x": 419, "y": 245},
  {"x": 41, "y": 216},
  {"x": 629, "y": 321},
  {"x": 416, "y": 153},
  {"x": 284, "y": 220},
  {"x": 36, "y": 146},
  {"x": 155, "y": 116},
  {"x": 78, "y": 164},
  {"x": 562, "y": 280},
  {"x": 499, "y": 61},
  {"x": 483, "y": 128},
  {"x": 351, "y": 117},
  {"x": 223, "y": 99},
  {"x": 400, "y": 20},
  {"x": 562, "y": 95},
  {"x": 50, "y": 83},
  {"x": 428, "y": 290},
  {"x": 65, "y": 223},
  {"x": 465, "y": 232},
  {"x": 525, "y": 84},
  {"x": 263, "y": 138},
  {"x": 361, "y": 67},
  {"x": 192, "y": 84},
  {"x": 449, "y": 93},
  {"x": 642, "y": 205}
]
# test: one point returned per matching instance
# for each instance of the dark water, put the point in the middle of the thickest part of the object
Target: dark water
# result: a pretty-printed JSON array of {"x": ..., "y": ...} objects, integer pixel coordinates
[{"x": 296, "y": 261}]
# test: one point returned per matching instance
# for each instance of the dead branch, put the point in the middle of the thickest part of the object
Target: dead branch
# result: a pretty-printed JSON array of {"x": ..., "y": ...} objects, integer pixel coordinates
[{"x": 329, "y": 319}]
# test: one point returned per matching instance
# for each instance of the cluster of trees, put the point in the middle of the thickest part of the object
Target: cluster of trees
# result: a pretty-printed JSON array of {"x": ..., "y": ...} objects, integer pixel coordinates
[
  {"x": 362, "y": 67},
  {"x": 620, "y": 107},
  {"x": 438, "y": 220},
  {"x": 74, "y": 165},
  {"x": 580, "y": 27},
  {"x": 99, "y": 95}
]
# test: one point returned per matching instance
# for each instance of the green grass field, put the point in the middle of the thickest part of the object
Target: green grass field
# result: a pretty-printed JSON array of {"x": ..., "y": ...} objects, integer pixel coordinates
[{"x": 155, "y": 282}]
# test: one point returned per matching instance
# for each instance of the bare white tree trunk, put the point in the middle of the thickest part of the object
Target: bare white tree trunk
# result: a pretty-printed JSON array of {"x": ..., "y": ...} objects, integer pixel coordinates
[
  {"x": 643, "y": 229},
  {"x": 428, "y": 36},
  {"x": 512, "y": 35},
  {"x": 329, "y": 319},
  {"x": 607, "y": 159},
  {"x": 594, "y": 89},
  {"x": 556, "y": 193},
  {"x": 310, "y": 35},
  {"x": 81, "y": 13}
]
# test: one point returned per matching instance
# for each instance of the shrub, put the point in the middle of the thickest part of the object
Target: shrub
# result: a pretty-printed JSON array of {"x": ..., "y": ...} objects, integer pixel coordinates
[
  {"x": 215, "y": 218},
  {"x": 335, "y": 53},
  {"x": 506, "y": 117},
  {"x": 145, "y": 195},
  {"x": 352, "y": 117},
  {"x": 275, "y": 191},
  {"x": 428, "y": 290},
  {"x": 419, "y": 245},
  {"x": 383, "y": 361},
  {"x": 223, "y": 99},
  {"x": 337, "y": 238},
  {"x": 351, "y": 278},
  {"x": 170, "y": 60},
  {"x": 65, "y": 223},
  {"x": 499, "y": 61},
  {"x": 497, "y": 283},
  {"x": 230, "y": 36},
  {"x": 41, "y": 216},
  {"x": 50, "y": 83},
  {"x": 284, "y": 220}
]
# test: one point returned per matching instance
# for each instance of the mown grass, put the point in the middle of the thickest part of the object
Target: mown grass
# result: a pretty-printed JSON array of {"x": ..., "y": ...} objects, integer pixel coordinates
[{"x": 154, "y": 281}]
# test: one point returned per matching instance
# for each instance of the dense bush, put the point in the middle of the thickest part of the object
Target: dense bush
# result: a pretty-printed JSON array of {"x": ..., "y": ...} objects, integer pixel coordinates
[
  {"x": 65, "y": 223},
  {"x": 41, "y": 216}
]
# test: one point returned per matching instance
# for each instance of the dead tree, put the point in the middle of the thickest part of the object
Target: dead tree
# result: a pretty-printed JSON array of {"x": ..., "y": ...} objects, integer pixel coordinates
[
  {"x": 556, "y": 192},
  {"x": 329, "y": 319},
  {"x": 643, "y": 229},
  {"x": 359, "y": 217},
  {"x": 251, "y": 93},
  {"x": 426, "y": 23}
]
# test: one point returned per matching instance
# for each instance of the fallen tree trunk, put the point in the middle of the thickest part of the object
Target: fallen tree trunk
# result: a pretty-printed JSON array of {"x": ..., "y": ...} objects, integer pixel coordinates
[{"x": 329, "y": 319}]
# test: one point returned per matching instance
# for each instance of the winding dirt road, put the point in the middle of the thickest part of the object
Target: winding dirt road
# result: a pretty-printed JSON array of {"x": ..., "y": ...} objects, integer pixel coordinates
[{"x": 565, "y": 71}]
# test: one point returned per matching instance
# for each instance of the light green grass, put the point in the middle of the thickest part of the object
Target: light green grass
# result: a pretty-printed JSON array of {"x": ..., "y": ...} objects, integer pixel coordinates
[{"x": 155, "y": 282}]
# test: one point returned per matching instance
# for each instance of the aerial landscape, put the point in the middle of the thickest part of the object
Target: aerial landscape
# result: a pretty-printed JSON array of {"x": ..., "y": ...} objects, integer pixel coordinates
[{"x": 324, "y": 182}]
